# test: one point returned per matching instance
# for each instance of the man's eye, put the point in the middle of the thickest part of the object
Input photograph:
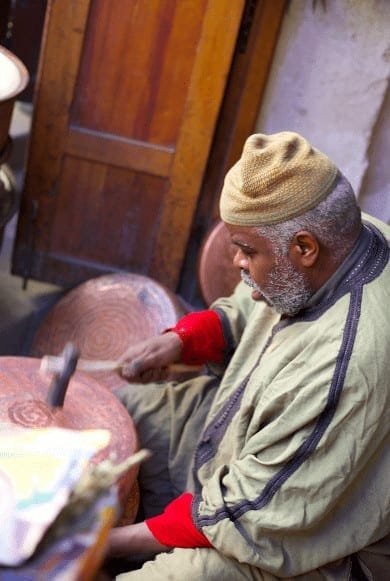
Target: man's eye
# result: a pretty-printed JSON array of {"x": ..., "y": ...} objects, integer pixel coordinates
[{"x": 248, "y": 252}]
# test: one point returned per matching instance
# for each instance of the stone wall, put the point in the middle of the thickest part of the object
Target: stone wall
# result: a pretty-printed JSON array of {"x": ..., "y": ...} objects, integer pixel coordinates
[{"x": 329, "y": 81}]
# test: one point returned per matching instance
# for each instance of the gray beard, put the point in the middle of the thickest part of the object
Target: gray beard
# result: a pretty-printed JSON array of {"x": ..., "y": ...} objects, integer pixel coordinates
[{"x": 286, "y": 290}]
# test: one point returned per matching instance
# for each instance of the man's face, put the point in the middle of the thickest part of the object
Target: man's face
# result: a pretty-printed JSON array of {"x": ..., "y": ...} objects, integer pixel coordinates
[{"x": 272, "y": 276}]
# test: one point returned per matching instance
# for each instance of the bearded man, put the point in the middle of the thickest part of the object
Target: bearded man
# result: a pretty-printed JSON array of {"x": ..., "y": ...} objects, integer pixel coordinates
[{"x": 275, "y": 464}]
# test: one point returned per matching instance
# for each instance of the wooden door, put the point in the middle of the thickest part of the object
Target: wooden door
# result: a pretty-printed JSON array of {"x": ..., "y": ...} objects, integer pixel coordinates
[{"x": 126, "y": 105}]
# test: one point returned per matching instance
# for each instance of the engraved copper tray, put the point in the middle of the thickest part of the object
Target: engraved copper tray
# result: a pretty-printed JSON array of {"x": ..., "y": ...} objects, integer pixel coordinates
[
  {"x": 104, "y": 316},
  {"x": 216, "y": 273},
  {"x": 87, "y": 405}
]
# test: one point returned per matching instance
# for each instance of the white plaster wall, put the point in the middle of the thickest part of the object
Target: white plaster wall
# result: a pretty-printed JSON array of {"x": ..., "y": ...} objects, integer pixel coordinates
[
  {"x": 375, "y": 190},
  {"x": 329, "y": 81}
]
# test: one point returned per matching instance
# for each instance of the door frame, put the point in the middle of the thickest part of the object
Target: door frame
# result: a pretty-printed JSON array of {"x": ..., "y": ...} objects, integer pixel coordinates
[{"x": 252, "y": 60}]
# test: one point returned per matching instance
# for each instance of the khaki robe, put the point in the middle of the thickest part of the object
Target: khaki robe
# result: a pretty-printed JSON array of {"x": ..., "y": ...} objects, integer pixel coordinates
[{"x": 291, "y": 469}]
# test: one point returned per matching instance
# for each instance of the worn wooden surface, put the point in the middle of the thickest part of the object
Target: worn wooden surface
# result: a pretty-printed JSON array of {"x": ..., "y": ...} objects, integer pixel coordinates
[{"x": 127, "y": 101}]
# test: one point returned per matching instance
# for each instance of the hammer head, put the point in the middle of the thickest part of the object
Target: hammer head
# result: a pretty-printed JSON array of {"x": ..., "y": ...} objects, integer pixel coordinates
[{"x": 65, "y": 367}]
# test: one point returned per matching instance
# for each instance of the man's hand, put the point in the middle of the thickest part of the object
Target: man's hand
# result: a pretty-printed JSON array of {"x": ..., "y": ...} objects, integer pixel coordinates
[
  {"x": 132, "y": 540},
  {"x": 150, "y": 359}
]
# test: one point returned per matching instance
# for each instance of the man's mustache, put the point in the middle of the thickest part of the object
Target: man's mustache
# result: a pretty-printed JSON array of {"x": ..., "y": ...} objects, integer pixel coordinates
[{"x": 246, "y": 277}]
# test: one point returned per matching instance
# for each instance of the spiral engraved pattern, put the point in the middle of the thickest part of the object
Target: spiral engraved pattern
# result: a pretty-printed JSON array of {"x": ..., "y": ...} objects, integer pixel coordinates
[
  {"x": 105, "y": 316},
  {"x": 30, "y": 413}
]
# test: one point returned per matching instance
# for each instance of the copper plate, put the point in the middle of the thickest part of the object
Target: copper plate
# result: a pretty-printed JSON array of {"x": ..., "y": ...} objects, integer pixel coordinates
[
  {"x": 217, "y": 275},
  {"x": 88, "y": 405},
  {"x": 104, "y": 316}
]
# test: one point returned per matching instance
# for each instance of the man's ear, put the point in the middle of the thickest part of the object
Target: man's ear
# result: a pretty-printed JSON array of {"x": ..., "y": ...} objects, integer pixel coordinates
[{"x": 304, "y": 249}]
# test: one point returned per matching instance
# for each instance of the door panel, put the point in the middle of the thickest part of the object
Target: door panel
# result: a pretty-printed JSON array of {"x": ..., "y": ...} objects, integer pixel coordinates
[
  {"x": 127, "y": 100},
  {"x": 113, "y": 201},
  {"x": 142, "y": 69}
]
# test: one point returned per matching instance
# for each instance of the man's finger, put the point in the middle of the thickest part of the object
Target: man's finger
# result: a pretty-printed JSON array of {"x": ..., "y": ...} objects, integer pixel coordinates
[{"x": 131, "y": 370}]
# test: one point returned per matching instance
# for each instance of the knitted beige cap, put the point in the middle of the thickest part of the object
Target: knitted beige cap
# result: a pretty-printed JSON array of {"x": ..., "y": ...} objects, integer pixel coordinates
[{"x": 278, "y": 177}]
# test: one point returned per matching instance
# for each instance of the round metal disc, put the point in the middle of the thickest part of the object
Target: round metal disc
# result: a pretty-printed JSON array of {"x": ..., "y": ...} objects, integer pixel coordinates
[
  {"x": 87, "y": 405},
  {"x": 104, "y": 316},
  {"x": 217, "y": 275}
]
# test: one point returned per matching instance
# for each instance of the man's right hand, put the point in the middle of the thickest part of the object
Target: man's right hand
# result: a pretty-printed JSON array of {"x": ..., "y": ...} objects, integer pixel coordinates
[{"x": 149, "y": 360}]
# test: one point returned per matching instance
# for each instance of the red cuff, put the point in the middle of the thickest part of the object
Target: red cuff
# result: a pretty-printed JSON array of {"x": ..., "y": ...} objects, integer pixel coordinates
[
  {"x": 202, "y": 337},
  {"x": 175, "y": 527}
]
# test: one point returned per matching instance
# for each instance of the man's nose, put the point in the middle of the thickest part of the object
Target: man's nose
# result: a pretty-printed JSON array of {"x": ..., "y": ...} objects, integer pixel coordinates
[{"x": 240, "y": 260}]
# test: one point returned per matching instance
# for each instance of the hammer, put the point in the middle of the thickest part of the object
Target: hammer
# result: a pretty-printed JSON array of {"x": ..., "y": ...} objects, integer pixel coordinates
[{"x": 62, "y": 375}]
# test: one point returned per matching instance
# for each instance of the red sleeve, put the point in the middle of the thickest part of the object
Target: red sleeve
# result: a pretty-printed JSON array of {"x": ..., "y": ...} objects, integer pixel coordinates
[
  {"x": 175, "y": 527},
  {"x": 202, "y": 337}
]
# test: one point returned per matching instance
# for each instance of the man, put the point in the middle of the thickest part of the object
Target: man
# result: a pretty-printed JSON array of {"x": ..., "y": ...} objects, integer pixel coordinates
[{"x": 276, "y": 463}]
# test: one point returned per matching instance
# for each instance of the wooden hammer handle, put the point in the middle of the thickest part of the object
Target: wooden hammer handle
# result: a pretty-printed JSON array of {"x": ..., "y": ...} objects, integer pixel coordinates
[{"x": 54, "y": 364}]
